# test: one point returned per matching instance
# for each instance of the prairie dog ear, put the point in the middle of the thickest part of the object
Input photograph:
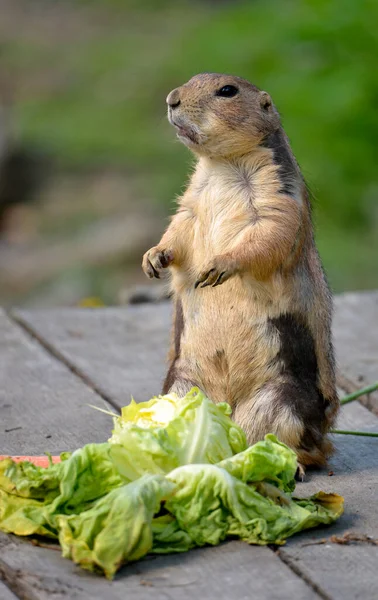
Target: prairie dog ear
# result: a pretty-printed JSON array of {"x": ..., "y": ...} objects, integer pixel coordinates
[{"x": 265, "y": 101}]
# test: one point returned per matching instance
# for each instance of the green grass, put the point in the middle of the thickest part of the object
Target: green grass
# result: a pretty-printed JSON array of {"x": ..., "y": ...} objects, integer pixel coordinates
[{"x": 317, "y": 58}]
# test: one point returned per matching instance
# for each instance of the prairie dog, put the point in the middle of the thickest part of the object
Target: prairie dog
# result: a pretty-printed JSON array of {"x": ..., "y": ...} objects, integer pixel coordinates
[{"x": 253, "y": 310}]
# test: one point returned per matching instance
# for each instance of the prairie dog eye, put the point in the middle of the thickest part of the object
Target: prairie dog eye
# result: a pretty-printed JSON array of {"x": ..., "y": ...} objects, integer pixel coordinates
[{"x": 227, "y": 91}]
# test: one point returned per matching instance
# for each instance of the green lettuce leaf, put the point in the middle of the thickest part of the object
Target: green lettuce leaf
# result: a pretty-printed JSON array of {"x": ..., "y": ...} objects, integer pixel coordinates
[
  {"x": 31, "y": 497},
  {"x": 28, "y": 480},
  {"x": 210, "y": 504},
  {"x": 117, "y": 528},
  {"x": 169, "y": 431},
  {"x": 25, "y": 491},
  {"x": 86, "y": 475},
  {"x": 168, "y": 536},
  {"x": 269, "y": 460}
]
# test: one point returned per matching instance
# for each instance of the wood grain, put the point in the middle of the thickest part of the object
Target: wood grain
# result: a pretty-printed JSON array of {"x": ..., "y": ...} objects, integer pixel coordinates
[
  {"x": 5, "y": 593},
  {"x": 232, "y": 570},
  {"x": 121, "y": 351},
  {"x": 43, "y": 406}
]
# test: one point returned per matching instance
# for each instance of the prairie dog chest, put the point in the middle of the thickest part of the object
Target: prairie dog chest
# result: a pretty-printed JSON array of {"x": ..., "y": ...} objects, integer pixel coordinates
[{"x": 223, "y": 209}]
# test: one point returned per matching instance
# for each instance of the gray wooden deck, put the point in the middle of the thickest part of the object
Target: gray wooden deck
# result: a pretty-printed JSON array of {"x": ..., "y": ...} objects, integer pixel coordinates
[{"x": 54, "y": 363}]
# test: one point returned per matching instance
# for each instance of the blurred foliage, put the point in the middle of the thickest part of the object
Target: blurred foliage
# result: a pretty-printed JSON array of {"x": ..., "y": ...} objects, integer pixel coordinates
[{"x": 317, "y": 58}]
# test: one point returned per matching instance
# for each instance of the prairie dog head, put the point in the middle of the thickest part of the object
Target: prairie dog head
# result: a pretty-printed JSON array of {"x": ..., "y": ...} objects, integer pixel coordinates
[{"x": 221, "y": 115}]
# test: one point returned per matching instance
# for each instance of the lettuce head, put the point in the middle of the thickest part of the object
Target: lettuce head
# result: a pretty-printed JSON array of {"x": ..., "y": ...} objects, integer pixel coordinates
[
  {"x": 175, "y": 474},
  {"x": 168, "y": 431}
]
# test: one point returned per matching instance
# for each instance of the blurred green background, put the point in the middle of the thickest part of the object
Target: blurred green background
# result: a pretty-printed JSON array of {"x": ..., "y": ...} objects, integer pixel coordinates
[{"x": 83, "y": 90}]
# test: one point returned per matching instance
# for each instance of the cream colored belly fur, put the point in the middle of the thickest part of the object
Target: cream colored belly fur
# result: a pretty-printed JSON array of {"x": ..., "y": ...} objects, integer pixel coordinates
[{"x": 228, "y": 345}]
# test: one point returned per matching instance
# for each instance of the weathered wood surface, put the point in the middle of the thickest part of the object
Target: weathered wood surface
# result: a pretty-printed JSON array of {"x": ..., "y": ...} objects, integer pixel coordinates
[
  {"x": 43, "y": 406},
  {"x": 356, "y": 338},
  {"x": 120, "y": 352},
  {"x": 233, "y": 570},
  {"x": 5, "y": 593}
]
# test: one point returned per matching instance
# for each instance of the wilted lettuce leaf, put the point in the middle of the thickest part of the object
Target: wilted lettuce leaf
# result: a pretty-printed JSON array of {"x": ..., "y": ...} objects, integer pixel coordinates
[
  {"x": 86, "y": 475},
  {"x": 25, "y": 491},
  {"x": 31, "y": 497},
  {"x": 168, "y": 536},
  {"x": 210, "y": 504},
  {"x": 118, "y": 527},
  {"x": 268, "y": 460},
  {"x": 169, "y": 431},
  {"x": 322, "y": 508},
  {"x": 28, "y": 480}
]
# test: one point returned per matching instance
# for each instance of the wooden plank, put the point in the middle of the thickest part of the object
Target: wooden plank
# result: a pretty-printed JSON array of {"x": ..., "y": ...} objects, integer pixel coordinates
[
  {"x": 43, "y": 397},
  {"x": 344, "y": 571},
  {"x": 355, "y": 322},
  {"x": 122, "y": 351},
  {"x": 5, "y": 593},
  {"x": 233, "y": 570},
  {"x": 43, "y": 406},
  {"x": 341, "y": 572}
]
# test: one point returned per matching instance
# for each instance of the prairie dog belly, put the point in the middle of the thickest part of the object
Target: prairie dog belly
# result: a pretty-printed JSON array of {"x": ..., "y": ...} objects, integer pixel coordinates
[
  {"x": 222, "y": 214},
  {"x": 228, "y": 344},
  {"x": 216, "y": 237}
]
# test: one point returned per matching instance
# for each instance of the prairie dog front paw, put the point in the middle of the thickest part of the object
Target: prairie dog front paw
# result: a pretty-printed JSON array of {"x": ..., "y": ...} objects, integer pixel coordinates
[
  {"x": 217, "y": 272},
  {"x": 156, "y": 260}
]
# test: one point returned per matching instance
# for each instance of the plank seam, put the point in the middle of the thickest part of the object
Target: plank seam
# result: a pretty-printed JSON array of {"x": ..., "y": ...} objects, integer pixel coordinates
[
  {"x": 12, "y": 580},
  {"x": 349, "y": 386},
  {"x": 297, "y": 571},
  {"x": 59, "y": 356}
]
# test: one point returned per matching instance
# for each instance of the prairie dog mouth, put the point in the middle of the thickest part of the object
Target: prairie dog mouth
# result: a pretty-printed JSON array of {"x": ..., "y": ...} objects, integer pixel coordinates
[{"x": 184, "y": 132}]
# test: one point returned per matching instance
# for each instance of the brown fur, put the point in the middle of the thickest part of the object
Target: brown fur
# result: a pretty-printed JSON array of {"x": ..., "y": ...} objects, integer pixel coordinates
[{"x": 259, "y": 335}]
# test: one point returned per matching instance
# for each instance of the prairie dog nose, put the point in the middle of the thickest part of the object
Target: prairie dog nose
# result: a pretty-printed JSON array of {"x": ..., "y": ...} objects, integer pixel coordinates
[{"x": 173, "y": 98}]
